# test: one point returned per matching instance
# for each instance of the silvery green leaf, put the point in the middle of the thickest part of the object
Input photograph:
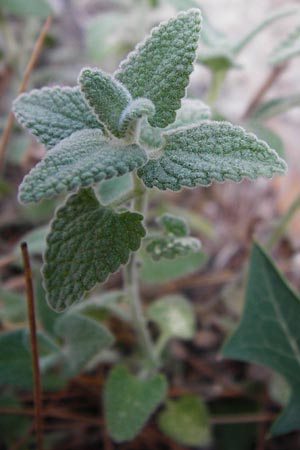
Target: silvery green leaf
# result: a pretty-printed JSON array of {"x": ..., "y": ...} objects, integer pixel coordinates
[
  {"x": 135, "y": 111},
  {"x": 192, "y": 111},
  {"x": 173, "y": 224},
  {"x": 210, "y": 151},
  {"x": 186, "y": 420},
  {"x": 174, "y": 316},
  {"x": 83, "y": 338},
  {"x": 129, "y": 402},
  {"x": 52, "y": 114},
  {"x": 287, "y": 49},
  {"x": 159, "y": 68},
  {"x": 106, "y": 96},
  {"x": 170, "y": 247},
  {"x": 87, "y": 242},
  {"x": 82, "y": 159}
]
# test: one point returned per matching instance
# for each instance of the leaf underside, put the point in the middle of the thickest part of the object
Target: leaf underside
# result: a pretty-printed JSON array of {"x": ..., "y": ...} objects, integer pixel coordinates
[
  {"x": 269, "y": 330},
  {"x": 130, "y": 401},
  {"x": 211, "y": 151},
  {"x": 87, "y": 242},
  {"x": 82, "y": 159},
  {"x": 52, "y": 114},
  {"x": 159, "y": 68}
]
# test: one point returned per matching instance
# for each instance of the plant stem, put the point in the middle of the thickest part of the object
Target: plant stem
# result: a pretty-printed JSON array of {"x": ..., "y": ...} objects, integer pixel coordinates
[
  {"x": 215, "y": 85},
  {"x": 132, "y": 287}
]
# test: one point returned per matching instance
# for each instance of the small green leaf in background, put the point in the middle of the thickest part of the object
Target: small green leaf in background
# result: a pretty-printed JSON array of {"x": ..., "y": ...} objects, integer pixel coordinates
[
  {"x": 13, "y": 306},
  {"x": 218, "y": 59},
  {"x": 82, "y": 159},
  {"x": 87, "y": 242},
  {"x": 157, "y": 272},
  {"x": 83, "y": 337},
  {"x": 52, "y": 114},
  {"x": 113, "y": 189},
  {"x": 211, "y": 151},
  {"x": 287, "y": 48},
  {"x": 186, "y": 420},
  {"x": 129, "y": 402},
  {"x": 40, "y": 8},
  {"x": 174, "y": 316},
  {"x": 276, "y": 106},
  {"x": 269, "y": 331},
  {"x": 159, "y": 68},
  {"x": 170, "y": 247},
  {"x": 173, "y": 224}
]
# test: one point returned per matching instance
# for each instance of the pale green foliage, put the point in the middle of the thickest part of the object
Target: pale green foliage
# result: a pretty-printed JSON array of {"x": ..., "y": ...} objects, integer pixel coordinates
[
  {"x": 82, "y": 159},
  {"x": 52, "y": 114},
  {"x": 83, "y": 338},
  {"x": 159, "y": 68},
  {"x": 173, "y": 224},
  {"x": 171, "y": 246},
  {"x": 272, "y": 309},
  {"x": 208, "y": 152},
  {"x": 186, "y": 420},
  {"x": 86, "y": 243},
  {"x": 174, "y": 316},
  {"x": 287, "y": 49},
  {"x": 130, "y": 401},
  {"x": 39, "y": 8},
  {"x": 191, "y": 112},
  {"x": 276, "y": 106}
]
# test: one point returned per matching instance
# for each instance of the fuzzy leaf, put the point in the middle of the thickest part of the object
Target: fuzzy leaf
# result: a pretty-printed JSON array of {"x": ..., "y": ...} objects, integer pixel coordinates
[
  {"x": 106, "y": 96},
  {"x": 110, "y": 190},
  {"x": 287, "y": 49},
  {"x": 159, "y": 68},
  {"x": 130, "y": 401},
  {"x": 134, "y": 111},
  {"x": 269, "y": 329},
  {"x": 82, "y": 159},
  {"x": 174, "y": 316},
  {"x": 39, "y": 8},
  {"x": 186, "y": 420},
  {"x": 191, "y": 112},
  {"x": 211, "y": 151},
  {"x": 52, "y": 114},
  {"x": 170, "y": 247},
  {"x": 87, "y": 242},
  {"x": 84, "y": 338},
  {"x": 173, "y": 224}
]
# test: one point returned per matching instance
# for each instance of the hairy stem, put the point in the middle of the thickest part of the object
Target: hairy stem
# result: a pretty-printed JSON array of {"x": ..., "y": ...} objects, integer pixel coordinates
[
  {"x": 132, "y": 288},
  {"x": 216, "y": 83}
]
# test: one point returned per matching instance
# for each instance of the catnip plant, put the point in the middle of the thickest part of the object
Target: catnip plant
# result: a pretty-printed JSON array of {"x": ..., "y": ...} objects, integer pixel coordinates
[{"x": 137, "y": 121}]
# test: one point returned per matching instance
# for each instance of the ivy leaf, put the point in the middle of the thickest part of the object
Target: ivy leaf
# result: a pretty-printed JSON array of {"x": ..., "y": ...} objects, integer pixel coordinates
[
  {"x": 186, "y": 420},
  {"x": 84, "y": 338},
  {"x": 173, "y": 224},
  {"x": 269, "y": 330},
  {"x": 287, "y": 49},
  {"x": 174, "y": 316},
  {"x": 207, "y": 152},
  {"x": 170, "y": 247},
  {"x": 159, "y": 68},
  {"x": 130, "y": 401},
  {"x": 191, "y": 112},
  {"x": 52, "y": 114},
  {"x": 87, "y": 242},
  {"x": 82, "y": 159},
  {"x": 39, "y": 8}
]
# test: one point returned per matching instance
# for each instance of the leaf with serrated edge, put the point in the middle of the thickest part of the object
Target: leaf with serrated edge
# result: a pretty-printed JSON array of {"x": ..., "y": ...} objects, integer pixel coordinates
[
  {"x": 159, "y": 68},
  {"x": 173, "y": 224},
  {"x": 186, "y": 420},
  {"x": 82, "y": 159},
  {"x": 84, "y": 338},
  {"x": 52, "y": 114},
  {"x": 87, "y": 242},
  {"x": 106, "y": 96},
  {"x": 191, "y": 113},
  {"x": 211, "y": 151},
  {"x": 170, "y": 247},
  {"x": 269, "y": 329},
  {"x": 174, "y": 316},
  {"x": 130, "y": 401}
]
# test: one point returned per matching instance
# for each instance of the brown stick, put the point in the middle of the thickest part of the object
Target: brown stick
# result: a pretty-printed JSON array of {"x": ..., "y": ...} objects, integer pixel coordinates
[
  {"x": 34, "y": 348},
  {"x": 269, "y": 81},
  {"x": 32, "y": 60}
]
